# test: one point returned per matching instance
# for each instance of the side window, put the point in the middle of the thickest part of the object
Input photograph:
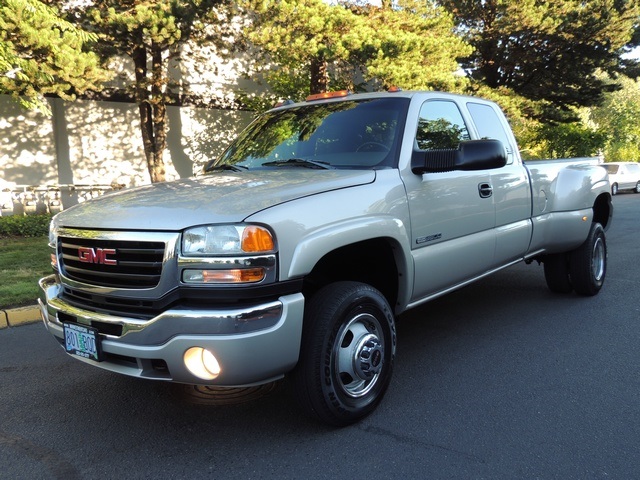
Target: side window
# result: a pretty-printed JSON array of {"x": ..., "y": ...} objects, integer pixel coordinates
[
  {"x": 440, "y": 126},
  {"x": 489, "y": 125}
]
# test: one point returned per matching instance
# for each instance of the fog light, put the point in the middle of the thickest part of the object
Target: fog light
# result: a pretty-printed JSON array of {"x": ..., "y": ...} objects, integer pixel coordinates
[{"x": 202, "y": 363}]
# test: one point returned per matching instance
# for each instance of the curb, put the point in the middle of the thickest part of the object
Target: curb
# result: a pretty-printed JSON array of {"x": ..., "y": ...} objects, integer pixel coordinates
[{"x": 14, "y": 317}]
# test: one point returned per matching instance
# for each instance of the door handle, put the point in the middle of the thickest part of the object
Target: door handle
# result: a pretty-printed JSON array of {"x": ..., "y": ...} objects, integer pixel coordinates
[{"x": 485, "y": 190}]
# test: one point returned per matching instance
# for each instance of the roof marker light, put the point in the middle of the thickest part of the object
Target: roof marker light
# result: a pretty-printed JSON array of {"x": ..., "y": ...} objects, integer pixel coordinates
[
  {"x": 282, "y": 103},
  {"x": 325, "y": 95}
]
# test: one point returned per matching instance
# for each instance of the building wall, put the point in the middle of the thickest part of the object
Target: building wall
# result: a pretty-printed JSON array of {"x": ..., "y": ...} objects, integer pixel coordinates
[{"x": 87, "y": 143}]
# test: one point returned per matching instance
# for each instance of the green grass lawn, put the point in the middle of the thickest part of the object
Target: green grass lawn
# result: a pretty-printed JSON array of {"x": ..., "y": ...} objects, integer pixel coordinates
[{"x": 23, "y": 261}]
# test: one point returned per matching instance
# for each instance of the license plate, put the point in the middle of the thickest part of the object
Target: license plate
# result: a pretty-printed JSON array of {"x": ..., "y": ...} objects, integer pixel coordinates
[{"x": 82, "y": 341}]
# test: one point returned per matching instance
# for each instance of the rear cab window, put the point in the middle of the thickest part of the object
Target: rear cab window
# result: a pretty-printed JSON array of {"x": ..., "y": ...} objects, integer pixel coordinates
[{"x": 489, "y": 125}]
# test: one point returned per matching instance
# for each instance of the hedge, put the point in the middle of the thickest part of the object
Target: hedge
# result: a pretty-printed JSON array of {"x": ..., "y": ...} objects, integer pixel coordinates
[{"x": 25, "y": 225}]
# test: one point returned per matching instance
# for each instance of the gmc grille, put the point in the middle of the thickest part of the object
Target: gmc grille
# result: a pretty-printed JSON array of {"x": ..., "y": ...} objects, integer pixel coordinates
[{"x": 111, "y": 263}]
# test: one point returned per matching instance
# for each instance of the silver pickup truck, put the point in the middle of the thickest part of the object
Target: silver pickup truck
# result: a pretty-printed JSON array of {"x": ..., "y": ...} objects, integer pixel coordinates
[{"x": 295, "y": 250}]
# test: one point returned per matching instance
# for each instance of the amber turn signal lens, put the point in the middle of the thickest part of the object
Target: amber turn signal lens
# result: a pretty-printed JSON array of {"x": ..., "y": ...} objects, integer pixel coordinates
[
  {"x": 236, "y": 275},
  {"x": 233, "y": 276},
  {"x": 257, "y": 239}
]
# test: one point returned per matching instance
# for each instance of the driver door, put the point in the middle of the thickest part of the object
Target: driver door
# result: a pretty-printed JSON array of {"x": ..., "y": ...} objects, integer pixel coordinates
[{"x": 452, "y": 213}]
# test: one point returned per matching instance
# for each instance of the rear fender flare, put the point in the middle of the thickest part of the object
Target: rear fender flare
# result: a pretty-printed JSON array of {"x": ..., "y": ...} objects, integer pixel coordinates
[{"x": 578, "y": 186}]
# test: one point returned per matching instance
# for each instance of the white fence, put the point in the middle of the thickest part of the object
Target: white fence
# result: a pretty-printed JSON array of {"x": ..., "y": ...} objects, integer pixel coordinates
[{"x": 31, "y": 200}]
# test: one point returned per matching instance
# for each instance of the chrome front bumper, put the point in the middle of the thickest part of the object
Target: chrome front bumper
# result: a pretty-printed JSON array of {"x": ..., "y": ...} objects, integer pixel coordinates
[{"x": 253, "y": 345}]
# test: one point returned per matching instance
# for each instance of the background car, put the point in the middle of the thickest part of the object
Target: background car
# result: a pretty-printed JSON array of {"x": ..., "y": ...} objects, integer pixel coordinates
[{"x": 623, "y": 176}]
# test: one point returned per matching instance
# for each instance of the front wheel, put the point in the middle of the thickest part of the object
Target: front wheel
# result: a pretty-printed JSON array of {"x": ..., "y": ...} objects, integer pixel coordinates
[
  {"x": 637, "y": 189},
  {"x": 588, "y": 262},
  {"x": 347, "y": 354}
]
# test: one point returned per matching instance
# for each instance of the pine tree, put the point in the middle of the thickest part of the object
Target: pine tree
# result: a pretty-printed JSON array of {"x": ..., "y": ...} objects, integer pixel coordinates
[
  {"x": 302, "y": 38},
  {"x": 549, "y": 52},
  {"x": 412, "y": 45},
  {"x": 42, "y": 54},
  {"x": 314, "y": 46},
  {"x": 151, "y": 32}
]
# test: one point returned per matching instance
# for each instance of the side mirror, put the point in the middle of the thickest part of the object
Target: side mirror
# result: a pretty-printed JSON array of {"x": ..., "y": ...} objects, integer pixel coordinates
[{"x": 470, "y": 155}]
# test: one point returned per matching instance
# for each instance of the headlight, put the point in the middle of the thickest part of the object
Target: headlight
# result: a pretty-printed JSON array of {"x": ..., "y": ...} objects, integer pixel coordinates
[
  {"x": 53, "y": 241},
  {"x": 227, "y": 254},
  {"x": 52, "y": 234},
  {"x": 226, "y": 240}
]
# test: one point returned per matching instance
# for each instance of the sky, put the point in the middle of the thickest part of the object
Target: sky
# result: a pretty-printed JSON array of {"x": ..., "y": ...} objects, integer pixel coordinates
[{"x": 635, "y": 53}]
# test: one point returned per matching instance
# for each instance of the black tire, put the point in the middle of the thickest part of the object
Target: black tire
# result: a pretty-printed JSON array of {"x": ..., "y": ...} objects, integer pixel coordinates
[
  {"x": 588, "y": 263},
  {"x": 614, "y": 189},
  {"x": 637, "y": 189},
  {"x": 556, "y": 273},
  {"x": 347, "y": 354}
]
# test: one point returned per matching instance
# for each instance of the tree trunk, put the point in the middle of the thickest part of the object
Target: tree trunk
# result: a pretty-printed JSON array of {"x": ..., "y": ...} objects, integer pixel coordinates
[
  {"x": 159, "y": 113},
  {"x": 319, "y": 77},
  {"x": 152, "y": 110}
]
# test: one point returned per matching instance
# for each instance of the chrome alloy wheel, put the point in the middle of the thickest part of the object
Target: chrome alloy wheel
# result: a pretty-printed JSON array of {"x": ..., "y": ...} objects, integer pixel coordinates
[
  {"x": 358, "y": 355},
  {"x": 588, "y": 262},
  {"x": 598, "y": 259}
]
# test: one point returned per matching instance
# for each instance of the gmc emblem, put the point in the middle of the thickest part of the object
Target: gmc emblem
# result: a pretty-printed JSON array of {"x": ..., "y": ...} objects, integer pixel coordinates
[{"x": 97, "y": 255}]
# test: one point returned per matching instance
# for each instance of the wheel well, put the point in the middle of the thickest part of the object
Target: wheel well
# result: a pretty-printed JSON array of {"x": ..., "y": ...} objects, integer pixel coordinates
[
  {"x": 603, "y": 210},
  {"x": 371, "y": 262}
]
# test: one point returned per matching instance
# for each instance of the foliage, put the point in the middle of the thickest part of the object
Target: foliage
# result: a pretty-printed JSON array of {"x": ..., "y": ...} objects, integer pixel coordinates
[
  {"x": 412, "y": 45},
  {"x": 619, "y": 116},
  {"x": 300, "y": 37},
  {"x": 549, "y": 52},
  {"x": 42, "y": 54},
  {"x": 568, "y": 140},
  {"x": 630, "y": 64},
  {"x": 314, "y": 46},
  {"x": 24, "y": 226},
  {"x": 23, "y": 261}
]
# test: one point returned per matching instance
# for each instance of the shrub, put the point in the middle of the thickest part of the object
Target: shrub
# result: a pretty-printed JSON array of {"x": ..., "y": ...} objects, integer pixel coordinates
[{"x": 25, "y": 225}]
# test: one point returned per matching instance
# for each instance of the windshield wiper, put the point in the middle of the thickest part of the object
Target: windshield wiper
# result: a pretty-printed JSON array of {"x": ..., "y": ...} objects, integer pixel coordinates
[
  {"x": 298, "y": 162},
  {"x": 226, "y": 166}
]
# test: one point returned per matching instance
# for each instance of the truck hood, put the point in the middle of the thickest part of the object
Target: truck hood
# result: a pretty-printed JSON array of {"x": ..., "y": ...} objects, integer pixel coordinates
[{"x": 220, "y": 197}]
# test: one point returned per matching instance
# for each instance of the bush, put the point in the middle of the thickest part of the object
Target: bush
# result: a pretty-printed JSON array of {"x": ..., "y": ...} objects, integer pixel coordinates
[{"x": 25, "y": 226}]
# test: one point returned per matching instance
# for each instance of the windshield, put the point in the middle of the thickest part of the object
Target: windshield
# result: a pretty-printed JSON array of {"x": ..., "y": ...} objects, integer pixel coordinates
[{"x": 347, "y": 134}]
